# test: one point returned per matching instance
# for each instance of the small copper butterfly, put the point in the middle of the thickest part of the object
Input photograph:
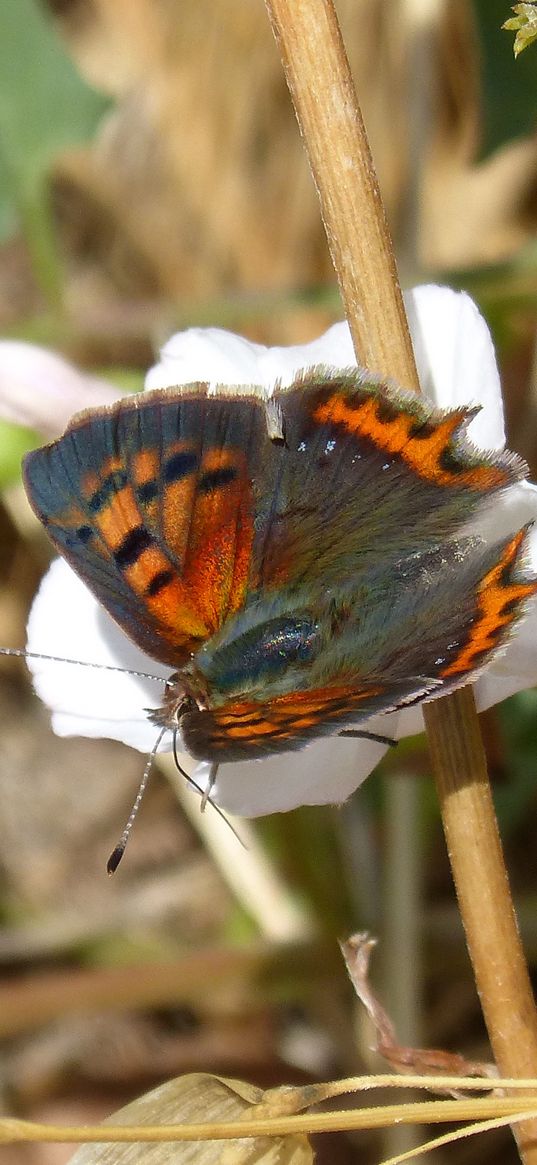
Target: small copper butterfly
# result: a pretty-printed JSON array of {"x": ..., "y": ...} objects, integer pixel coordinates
[{"x": 297, "y": 561}]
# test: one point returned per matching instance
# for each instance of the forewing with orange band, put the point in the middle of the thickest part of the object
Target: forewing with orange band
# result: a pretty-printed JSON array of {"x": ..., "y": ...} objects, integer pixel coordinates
[
  {"x": 151, "y": 503},
  {"x": 371, "y": 472}
]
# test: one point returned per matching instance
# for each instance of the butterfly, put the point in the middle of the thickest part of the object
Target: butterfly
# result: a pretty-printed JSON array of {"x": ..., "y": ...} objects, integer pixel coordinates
[{"x": 295, "y": 559}]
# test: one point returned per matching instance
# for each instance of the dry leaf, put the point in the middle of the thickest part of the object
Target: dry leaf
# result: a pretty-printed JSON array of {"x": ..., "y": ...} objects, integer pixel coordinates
[
  {"x": 192, "y": 1099},
  {"x": 426, "y": 1061},
  {"x": 198, "y": 182}
]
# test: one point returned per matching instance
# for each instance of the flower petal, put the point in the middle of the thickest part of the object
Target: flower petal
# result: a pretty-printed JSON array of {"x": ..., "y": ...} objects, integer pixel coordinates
[
  {"x": 457, "y": 366},
  {"x": 205, "y": 354},
  {"x": 42, "y": 390},
  {"x": 452, "y": 343},
  {"x": 455, "y": 358},
  {"x": 333, "y": 349},
  {"x": 66, "y": 620},
  {"x": 517, "y": 507},
  {"x": 326, "y": 772}
]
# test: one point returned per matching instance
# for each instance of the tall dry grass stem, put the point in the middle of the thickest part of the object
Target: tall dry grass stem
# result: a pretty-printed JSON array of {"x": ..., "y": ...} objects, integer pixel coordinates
[{"x": 322, "y": 90}]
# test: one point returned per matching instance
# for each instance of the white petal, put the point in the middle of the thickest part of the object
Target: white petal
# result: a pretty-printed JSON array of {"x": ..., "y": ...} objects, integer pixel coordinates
[
  {"x": 491, "y": 688},
  {"x": 505, "y": 515},
  {"x": 326, "y": 772},
  {"x": 452, "y": 343},
  {"x": 211, "y": 354},
  {"x": 206, "y": 354},
  {"x": 42, "y": 390},
  {"x": 457, "y": 366},
  {"x": 66, "y": 620},
  {"x": 523, "y": 505},
  {"x": 334, "y": 349},
  {"x": 455, "y": 358},
  {"x": 517, "y": 665}
]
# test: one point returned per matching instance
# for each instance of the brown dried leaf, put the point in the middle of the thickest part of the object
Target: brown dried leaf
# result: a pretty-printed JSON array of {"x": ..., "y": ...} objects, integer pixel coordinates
[
  {"x": 426, "y": 1061},
  {"x": 198, "y": 180},
  {"x": 189, "y": 1100}
]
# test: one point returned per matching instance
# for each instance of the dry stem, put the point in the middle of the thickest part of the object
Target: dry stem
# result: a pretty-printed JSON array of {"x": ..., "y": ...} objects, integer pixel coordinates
[{"x": 319, "y": 79}]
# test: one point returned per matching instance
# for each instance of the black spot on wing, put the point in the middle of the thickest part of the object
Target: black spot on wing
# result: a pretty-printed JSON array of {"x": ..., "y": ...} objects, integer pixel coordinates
[
  {"x": 179, "y": 465},
  {"x": 159, "y": 582},
  {"x": 147, "y": 492},
  {"x": 133, "y": 545},
  {"x": 215, "y": 479},
  {"x": 421, "y": 430},
  {"x": 111, "y": 485},
  {"x": 449, "y": 461},
  {"x": 387, "y": 410},
  {"x": 84, "y": 534}
]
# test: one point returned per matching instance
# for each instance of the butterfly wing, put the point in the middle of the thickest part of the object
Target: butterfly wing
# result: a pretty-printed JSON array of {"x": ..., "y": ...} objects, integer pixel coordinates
[
  {"x": 371, "y": 473},
  {"x": 364, "y": 600},
  {"x": 415, "y": 635},
  {"x": 151, "y": 502},
  {"x": 275, "y": 544}
]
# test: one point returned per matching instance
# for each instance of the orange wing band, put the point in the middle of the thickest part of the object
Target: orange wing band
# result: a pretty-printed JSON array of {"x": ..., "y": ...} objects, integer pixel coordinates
[
  {"x": 499, "y": 598},
  {"x": 426, "y": 447}
]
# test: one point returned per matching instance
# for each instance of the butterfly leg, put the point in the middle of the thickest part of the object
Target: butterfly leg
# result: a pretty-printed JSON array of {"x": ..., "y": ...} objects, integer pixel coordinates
[
  {"x": 368, "y": 736},
  {"x": 206, "y": 794},
  {"x": 178, "y": 766},
  {"x": 212, "y": 778}
]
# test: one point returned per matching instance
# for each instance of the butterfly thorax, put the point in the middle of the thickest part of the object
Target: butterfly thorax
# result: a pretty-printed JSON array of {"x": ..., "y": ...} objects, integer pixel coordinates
[
  {"x": 253, "y": 658},
  {"x": 250, "y": 656}
]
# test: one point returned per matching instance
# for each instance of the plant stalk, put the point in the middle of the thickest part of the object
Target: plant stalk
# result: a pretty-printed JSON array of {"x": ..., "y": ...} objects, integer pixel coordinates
[{"x": 321, "y": 86}]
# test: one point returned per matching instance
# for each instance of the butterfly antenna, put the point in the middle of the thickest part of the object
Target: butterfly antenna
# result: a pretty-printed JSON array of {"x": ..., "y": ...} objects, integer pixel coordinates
[
  {"x": 205, "y": 793},
  {"x": 21, "y": 653},
  {"x": 117, "y": 854}
]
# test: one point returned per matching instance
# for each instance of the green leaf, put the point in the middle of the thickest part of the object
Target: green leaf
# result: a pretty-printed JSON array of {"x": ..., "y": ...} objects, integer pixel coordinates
[
  {"x": 44, "y": 108},
  {"x": 514, "y": 798},
  {"x": 15, "y": 441}
]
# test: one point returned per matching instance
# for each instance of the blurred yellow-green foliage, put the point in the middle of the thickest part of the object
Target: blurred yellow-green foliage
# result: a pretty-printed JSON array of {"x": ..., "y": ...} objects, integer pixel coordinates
[
  {"x": 524, "y": 24},
  {"x": 152, "y": 177}
]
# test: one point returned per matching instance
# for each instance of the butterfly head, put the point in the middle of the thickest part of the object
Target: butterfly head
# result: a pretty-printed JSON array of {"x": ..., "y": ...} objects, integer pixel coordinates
[{"x": 183, "y": 694}]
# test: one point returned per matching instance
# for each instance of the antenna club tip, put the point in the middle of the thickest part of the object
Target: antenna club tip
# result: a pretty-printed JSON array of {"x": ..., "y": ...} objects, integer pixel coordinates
[{"x": 114, "y": 859}]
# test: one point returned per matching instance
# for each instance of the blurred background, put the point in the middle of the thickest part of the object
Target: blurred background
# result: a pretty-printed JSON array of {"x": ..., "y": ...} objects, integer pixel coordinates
[{"x": 152, "y": 177}]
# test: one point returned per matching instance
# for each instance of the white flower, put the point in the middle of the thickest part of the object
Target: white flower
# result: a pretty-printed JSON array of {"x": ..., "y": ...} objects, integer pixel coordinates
[
  {"x": 42, "y": 390},
  {"x": 456, "y": 363}
]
